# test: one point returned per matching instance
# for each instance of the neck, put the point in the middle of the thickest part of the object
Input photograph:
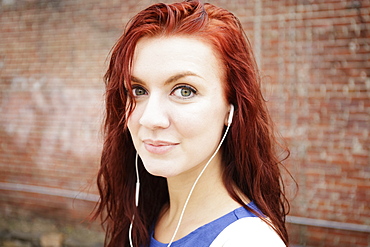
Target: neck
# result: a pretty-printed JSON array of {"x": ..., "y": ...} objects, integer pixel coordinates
[
  {"x": 209, "y": 185},
  {"x": 209, "y": 201}
]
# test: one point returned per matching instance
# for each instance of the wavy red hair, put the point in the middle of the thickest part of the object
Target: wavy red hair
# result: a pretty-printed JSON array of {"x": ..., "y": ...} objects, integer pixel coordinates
[{"x": 249, "y": 152}]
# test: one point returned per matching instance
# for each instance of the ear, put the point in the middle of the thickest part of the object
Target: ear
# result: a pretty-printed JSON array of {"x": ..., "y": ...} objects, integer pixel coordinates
[{"x": 229, "y": 119}]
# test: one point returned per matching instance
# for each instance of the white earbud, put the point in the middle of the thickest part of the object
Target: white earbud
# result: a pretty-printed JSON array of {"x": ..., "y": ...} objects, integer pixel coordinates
[{"x": 231, "y": 114}]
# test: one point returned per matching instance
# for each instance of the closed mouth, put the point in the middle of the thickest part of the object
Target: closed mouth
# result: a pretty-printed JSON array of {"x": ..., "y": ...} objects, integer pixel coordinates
[{"x": 159, "y": 146}]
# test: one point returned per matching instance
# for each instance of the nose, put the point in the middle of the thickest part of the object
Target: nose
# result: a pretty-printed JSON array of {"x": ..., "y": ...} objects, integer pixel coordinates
[{"x": 154, "y": 115}]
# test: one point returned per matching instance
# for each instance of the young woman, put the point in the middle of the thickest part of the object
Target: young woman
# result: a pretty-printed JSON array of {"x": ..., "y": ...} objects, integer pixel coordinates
[{"x": 189, "y": 157}]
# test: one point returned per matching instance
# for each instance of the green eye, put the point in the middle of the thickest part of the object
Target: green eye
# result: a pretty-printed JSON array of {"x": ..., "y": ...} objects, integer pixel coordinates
[
  {"x": 184, "y": 92},
  {"x": 138, "y": 91}
]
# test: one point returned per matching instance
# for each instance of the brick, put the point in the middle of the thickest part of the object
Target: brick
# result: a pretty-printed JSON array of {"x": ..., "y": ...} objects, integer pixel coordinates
[{"x": 314, "y": 58}]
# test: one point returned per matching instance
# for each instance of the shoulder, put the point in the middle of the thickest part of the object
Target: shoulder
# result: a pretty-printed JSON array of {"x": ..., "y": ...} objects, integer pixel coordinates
[{"x": 251, "y": 231}]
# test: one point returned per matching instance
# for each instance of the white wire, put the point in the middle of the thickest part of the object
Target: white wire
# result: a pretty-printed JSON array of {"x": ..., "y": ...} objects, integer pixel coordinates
[
  {"x": 195, "y": 183},
  {"x": 137, "y": 191},
  {"x": 130, "y": 231},
  {"x": 190, "y": 193}
]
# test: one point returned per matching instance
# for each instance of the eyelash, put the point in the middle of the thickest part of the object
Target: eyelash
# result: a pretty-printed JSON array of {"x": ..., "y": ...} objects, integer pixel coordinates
[
  {"x": 145, "y": 92},
  {"x": 192, "y": 90},
  {"x": 135, "y": 87}
]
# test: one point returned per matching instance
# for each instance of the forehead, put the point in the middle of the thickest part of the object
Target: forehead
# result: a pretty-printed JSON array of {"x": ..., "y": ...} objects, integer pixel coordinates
[{"x": 164, "y": 56}]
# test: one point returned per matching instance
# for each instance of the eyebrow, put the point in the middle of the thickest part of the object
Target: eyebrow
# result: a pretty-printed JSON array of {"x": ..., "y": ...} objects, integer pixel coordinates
[{"x": 171, "y": 79}]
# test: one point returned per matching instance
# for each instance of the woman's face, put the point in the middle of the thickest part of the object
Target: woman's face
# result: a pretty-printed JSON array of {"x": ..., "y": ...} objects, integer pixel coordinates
[{"x": 180, "y": 108}]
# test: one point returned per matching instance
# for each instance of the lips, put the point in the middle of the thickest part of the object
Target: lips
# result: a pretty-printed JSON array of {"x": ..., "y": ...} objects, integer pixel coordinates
[{"x": 158, "y": 146}]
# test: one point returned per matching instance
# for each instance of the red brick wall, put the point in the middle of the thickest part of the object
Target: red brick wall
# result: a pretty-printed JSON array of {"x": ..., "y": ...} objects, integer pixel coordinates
[{"x": 315, "y": 60}]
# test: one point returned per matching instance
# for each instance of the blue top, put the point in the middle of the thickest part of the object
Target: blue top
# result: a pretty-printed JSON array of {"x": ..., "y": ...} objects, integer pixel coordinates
[{"x": 204, "y": 235}]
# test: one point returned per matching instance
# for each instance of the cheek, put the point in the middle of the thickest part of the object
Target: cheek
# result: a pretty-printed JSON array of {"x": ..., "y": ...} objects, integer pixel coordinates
[
  {"x": 202, "y": 125},
  {"x": 133, "y": 122}
]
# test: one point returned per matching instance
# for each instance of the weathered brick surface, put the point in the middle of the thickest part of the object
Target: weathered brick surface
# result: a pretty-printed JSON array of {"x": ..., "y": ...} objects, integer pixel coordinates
[{"x": 315, "y": 61}]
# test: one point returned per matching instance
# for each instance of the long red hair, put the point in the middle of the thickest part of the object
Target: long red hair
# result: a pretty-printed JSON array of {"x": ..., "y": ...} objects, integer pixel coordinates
[{"x": 249, "y": 152}]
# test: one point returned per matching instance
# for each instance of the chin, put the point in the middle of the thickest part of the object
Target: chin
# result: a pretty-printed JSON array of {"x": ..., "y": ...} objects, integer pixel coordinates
[
  {"x": 162, "y": 174},
  {"x": 161, "y": 167},
  {"x": 166, "y": 173}
]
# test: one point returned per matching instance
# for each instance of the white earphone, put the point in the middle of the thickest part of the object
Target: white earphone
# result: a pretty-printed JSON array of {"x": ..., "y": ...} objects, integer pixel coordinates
[
  {"x": 137, "y": 190},
  {"x": 231, "y": 114}
]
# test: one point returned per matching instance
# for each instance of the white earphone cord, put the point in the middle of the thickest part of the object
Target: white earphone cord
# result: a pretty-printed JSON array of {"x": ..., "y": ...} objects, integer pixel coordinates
[
  {"x": 191, "y": 190},
  {"x": 137, "y": 190},
  {"x": 195, "y": 183}
]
